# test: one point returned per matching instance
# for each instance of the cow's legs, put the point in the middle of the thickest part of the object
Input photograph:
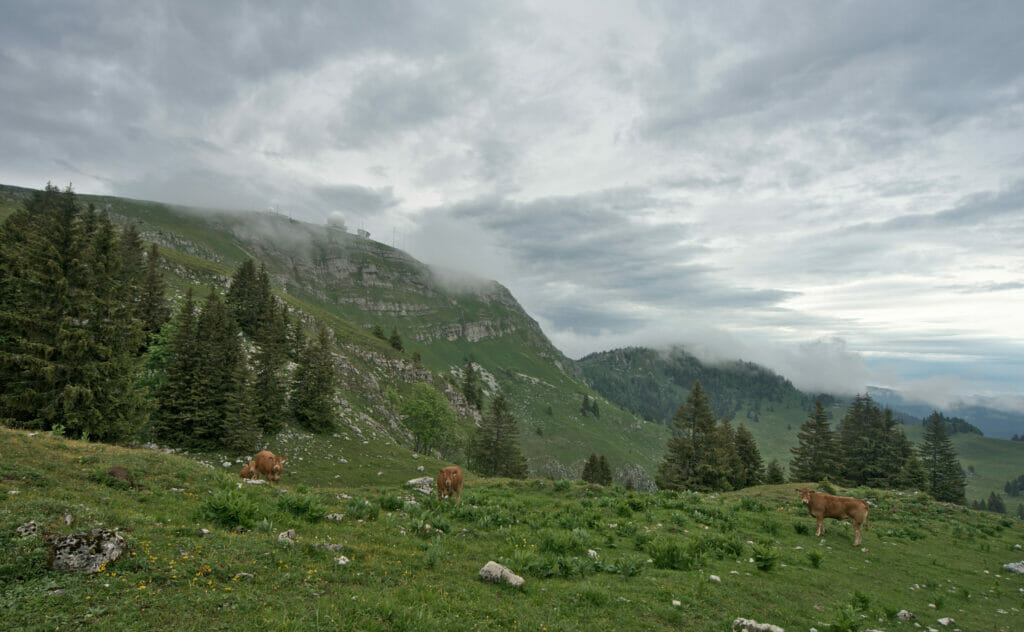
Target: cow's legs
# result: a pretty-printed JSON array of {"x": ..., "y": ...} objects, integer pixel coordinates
[
  {"x": 821, "y": 527},
  {"x": 856, "y": 531}
]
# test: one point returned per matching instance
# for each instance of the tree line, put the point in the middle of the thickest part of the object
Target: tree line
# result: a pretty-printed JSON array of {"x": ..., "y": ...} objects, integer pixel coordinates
[{"x": 868, "y": 448}]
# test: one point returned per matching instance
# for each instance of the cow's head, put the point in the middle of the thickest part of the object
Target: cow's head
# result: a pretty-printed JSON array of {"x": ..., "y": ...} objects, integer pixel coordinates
[
  {"x": 276, "y": 469},
  {"x": 805, "y": 494}
]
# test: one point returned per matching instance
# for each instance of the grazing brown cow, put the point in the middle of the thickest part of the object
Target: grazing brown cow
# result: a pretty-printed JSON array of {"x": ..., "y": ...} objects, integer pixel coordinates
[
  {"x": 449, "y": 481},
  {"x": 270, "y": 465},
  {"x": 823, "y": 506},
  {"x": 249, "y": 471}
]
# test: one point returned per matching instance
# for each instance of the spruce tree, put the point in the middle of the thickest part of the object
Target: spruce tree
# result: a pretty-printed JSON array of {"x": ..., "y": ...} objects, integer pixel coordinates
[
  {"x": 687, "y": 463},
  {"x": 395, "y": 340},
  {"x": 604, "y": 471},
  {"x": 774, "y": 474},
  {"x": 221, "y": 380},
  {"x": 751, "y": 464},
  {"x": 590, "y": 468},
  {"x": 313, "y": 385},
  {"x": 67, "y": 336},
  {"x": 912, "y": 475},
  {"x": 814, "y": 456},
  {"x": 946, "y": 480},
  {"x": 995, "y": 503},
  {"x": 245, "y": 297},
  {"x": 269, "y": 383},
  {"x": 495, "y": 450},
  {"x": 471, "y": 388},
  {"x": 153, "y": 307},
  {"x": 177, "y": 403},
  {"x": 725, "y": 460}
]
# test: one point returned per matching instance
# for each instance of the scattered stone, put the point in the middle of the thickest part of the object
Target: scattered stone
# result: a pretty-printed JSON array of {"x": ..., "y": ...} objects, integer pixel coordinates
[
  {"x": 1017, "y": 547},
  {"x": 253, "y": 481},
  {"x": 946, "y": 620},
  {"x": 337, "y": 517},
  {"x": 226, "y": 463},
  {"x": 85, "y": 552},
  {"x": 419, "y": 469},
  {"x": 177, "y": 489},
  {"x": 905, "y": 615},
  {"x": 243, "y": 576},
  {"x": 715, "y": 578},
  {"x": 68, "y": 519},
  {"x": 424, "y": 485},
  {"x": 749, "y": 625},
  {"x": 30, "y": 528},
  {"x": 56, "y": 592},
  {"x": 493, "y": 572},
  {"x": 676, "y": 603},
  {"x": 1016, "y": 567},
  {"x": 592, "y": 553},
  {"x": 13, "y": 492},
  {"x": 341, "y": 561},
  {"x": 330, "y": 547},
  {"x": 380, "y": 473},
  {"x": 287, "y": 537},
  {"x": 202, "y": 533}
]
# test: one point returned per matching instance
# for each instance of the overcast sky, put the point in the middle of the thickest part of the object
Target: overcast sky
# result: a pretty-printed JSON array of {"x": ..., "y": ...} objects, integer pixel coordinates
[{"x": 833, "y": 189}]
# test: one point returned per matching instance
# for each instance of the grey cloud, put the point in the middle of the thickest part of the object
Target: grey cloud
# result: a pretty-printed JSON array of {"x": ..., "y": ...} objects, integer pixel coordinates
[{"x": 356, "y": 199}]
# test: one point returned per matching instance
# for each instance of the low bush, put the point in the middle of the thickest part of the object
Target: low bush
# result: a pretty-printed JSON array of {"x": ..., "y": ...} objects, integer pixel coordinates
[{"x": 231, "y": 508}]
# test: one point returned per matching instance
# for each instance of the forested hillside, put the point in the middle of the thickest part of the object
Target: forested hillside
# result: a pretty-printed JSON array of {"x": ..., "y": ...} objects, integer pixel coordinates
[{"x": 393, "y": 323}]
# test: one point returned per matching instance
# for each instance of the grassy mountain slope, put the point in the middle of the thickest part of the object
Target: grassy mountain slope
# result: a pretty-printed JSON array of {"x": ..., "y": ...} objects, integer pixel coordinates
[
  {"x": 933, "y": 560},
  {"x": 352, "y": 284}
]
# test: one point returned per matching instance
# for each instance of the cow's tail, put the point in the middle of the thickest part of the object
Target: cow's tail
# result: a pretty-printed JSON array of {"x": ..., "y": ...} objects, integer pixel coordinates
[{"x": 866, "y": 514}]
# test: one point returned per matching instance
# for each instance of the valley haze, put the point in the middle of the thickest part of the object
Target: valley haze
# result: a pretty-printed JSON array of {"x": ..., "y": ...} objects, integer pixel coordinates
[{"x": 834, "y": 191}]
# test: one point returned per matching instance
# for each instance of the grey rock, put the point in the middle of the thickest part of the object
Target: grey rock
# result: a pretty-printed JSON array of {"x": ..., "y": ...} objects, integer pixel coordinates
[
  {"x": 86, "y": 552},
  {"x": 30, "y": 528},
  {"x": 749, "y": 625},
  {"x": 423, "y": 485},
  {"x": 493, "y": 572}
]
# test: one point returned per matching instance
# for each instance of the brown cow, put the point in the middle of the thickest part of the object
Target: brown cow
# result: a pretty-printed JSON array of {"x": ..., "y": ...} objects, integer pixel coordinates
[
  {"x": 823, "y": 506},
  {"x": 249, "y": 471},
  {"x": 270, "y": 465},
  {"x": 449, "y": 481}
]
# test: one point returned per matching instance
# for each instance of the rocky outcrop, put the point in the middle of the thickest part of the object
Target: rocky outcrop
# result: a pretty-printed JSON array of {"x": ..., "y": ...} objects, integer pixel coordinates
[{"x": 492, "y": 572}]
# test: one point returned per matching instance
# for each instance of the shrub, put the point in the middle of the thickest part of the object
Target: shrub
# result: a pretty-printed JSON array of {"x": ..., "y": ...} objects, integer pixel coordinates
[
  {"x": 816, "y": 557},
  {"x": 672, "y": 553},
  {"x": 561, "y": 542},
  {"x": 306, "y": 506},
  {"x": 391, "y": 502},
  {"x": 230, "y": 508},
  {"x": 628, "y": 566},
  {"x": 749, "y": 503},
  {"x": 766, "y": 555},
  {"x": 361, "y": 509},
  {"x": 801, "y": 528}
]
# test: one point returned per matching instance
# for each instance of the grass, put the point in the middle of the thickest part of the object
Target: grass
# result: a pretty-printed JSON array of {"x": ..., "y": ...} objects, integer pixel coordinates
[{"x": 413, "y": 565}]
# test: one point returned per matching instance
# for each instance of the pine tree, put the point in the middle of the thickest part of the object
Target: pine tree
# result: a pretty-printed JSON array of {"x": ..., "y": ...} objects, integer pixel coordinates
[
  {"x": 67, "y": 336},
  {"x": 313, "y": 385},
  {"x": 751, "y": 464},
  {"x": 604, "y": 471},
  {"x": 395, "y": 340},
  {"x": 946, "y": 480},
  {"x": 995, "y": 503},
  {"x": 153, "y": 307},
  {"x": 725, "y": 459},
  {"x": 495, "y": 451},
  {"x": 178, "y": 405},
  {"x": 585, "y": 406},
  {"x": 471, "y": 388},
  {"x": 590, "y": 468},
  {"x": 245, "y": 297},
  {"x": 774, "y": 474},
  {"x": 221, "y": 387},
  {"x": 687, "y": 463},
  {"x": 270, "y": 392},
  {"x": 912, "y": 475},
  {"x": 814, "y": 457}
]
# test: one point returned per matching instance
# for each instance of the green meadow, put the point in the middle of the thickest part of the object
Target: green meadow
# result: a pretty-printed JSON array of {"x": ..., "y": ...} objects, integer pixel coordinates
[{"x": 593, "y": 558}]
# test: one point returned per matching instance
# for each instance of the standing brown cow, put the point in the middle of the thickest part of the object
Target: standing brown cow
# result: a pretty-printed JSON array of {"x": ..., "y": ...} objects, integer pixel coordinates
[
  {"x": 449, "y": 481},
  {"x": 823, "y": 506},
  {"x": 270, "y": 465}
]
